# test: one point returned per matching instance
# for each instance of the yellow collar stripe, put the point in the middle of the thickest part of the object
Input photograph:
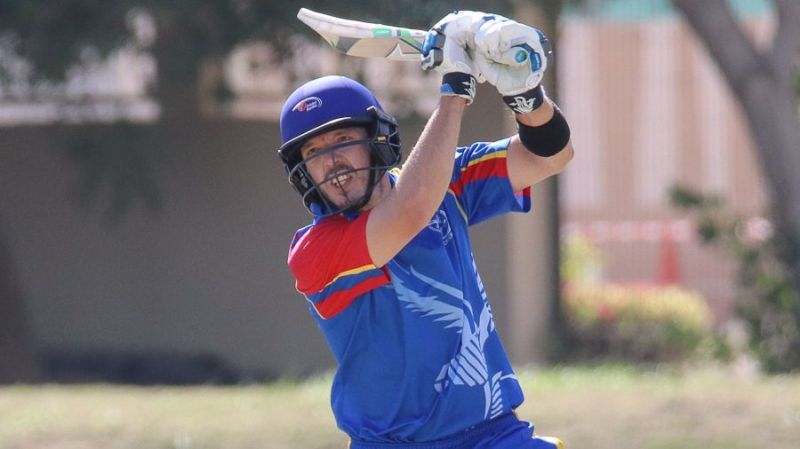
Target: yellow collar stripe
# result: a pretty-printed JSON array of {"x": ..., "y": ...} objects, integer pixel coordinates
[{"x": 351, "y": 272}]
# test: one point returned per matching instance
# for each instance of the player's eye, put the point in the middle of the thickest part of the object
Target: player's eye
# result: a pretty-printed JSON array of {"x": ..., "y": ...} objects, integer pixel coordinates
[{"x": 310, "y": 152}]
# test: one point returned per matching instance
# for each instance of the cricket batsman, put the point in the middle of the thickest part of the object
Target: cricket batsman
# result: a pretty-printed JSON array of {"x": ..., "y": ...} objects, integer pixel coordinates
[{"x": 387, "y": 265}]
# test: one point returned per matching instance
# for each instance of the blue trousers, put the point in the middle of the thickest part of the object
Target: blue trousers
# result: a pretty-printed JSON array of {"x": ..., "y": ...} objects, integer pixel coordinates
[{"x": 503, "y": 432}]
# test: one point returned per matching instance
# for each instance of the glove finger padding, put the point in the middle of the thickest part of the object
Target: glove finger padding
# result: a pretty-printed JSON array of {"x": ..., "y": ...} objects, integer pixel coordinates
[
  {"x": 432, "y": 54},
  {"x": 447, "y": 49},
  {"x": 519, "y": 87},
  {"x": 512, "y": 56},
  {"x": 459, "y": 28},
  {"x": 445, "y": 55},
  {"x": 509, "y": 80}
]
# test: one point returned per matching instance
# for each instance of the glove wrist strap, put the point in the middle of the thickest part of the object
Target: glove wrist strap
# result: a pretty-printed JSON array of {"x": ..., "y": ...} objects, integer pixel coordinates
[
  {"x": 526, "y": 101},
  {"x": 459, "y": 84}
]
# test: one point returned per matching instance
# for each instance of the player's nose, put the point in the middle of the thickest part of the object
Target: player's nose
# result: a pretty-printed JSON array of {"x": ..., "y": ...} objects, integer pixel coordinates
[{"x": 331, "y": 159}]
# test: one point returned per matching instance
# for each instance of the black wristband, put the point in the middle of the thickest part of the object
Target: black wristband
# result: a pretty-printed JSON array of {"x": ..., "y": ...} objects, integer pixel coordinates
[
  {"x": 526, "y": 101},
  {"x": 548, "y": 139},
  {"x": 458, "y": 84}
]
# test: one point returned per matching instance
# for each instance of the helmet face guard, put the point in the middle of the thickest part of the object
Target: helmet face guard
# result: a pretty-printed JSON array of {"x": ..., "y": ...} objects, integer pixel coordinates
[{"x": 353, "y": 105}]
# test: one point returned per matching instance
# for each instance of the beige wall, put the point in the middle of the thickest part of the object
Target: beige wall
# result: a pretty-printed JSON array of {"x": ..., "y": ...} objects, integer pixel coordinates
[{"x": 208, "y": 273}]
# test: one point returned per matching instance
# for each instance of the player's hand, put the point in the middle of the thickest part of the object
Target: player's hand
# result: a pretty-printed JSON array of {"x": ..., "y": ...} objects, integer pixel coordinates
[
  {"x": 448, "y": 47},
  {"x": 455, "y": 33},
  {"x": 513, "y": 57}
]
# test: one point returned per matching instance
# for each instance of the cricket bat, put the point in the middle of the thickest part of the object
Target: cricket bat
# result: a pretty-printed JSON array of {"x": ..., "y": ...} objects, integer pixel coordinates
[{"x": 366, "y": 40}]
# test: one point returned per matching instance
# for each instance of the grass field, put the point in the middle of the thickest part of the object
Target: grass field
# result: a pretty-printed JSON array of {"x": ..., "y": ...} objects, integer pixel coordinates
[{"x": 602, "y": 408}]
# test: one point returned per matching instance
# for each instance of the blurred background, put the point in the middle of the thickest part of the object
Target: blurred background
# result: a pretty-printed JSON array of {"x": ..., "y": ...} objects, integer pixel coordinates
[{"x": 650, "y": 300}]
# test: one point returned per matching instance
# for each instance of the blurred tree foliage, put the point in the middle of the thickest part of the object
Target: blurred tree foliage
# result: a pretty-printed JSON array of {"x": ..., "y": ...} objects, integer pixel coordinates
[
  {"x": 53, "y": 34},
  {"x": 767, "y": 300},
  {"x": 763, "y": 79}
]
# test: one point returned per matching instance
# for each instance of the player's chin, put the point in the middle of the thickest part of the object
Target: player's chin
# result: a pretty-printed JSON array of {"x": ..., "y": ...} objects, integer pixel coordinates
[{"x": 346, "y": 198}]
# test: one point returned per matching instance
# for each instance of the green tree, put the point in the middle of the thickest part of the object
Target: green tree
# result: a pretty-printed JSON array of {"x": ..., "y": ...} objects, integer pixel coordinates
[
  {"x": 766, "y": 298},
  {"x": 764, "y": 82}
]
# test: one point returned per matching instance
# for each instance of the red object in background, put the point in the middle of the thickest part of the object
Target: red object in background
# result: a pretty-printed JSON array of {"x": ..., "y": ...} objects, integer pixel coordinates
[
  {"x": 669, "y": 271},
  {"x": 667, "y": 234}
]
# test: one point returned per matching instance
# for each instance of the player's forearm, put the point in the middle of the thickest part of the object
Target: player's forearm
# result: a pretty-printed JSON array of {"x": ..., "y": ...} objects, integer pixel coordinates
[
  {"x": 551, "y": 142},
  {"x": 426, "y": 174},
  {"x": 555, "y": 158},
  {"x": 542, "y": 147}
]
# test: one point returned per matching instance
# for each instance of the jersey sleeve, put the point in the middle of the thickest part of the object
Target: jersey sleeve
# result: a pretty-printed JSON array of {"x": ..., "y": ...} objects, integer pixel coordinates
[
  {"x": 480, "y": 182},
  {"x": 332, "y": 266}
]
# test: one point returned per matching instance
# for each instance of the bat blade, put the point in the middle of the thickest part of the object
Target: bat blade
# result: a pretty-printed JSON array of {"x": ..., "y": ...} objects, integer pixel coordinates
[{"x": 363, "y": 39}]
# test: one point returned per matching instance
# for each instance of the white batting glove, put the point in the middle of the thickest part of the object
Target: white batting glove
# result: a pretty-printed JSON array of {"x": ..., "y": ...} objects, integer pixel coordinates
[
  {"x": 513, "y": 57},
  {"x": 448, "y": 47}
]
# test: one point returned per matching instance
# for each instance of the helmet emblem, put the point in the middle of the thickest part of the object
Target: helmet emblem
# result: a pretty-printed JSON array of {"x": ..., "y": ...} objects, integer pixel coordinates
[{"x": 308, "y": 104}]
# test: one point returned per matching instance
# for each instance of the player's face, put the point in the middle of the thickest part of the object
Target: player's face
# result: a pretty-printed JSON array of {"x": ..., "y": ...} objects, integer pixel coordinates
[{"x": 336, "y": 170}]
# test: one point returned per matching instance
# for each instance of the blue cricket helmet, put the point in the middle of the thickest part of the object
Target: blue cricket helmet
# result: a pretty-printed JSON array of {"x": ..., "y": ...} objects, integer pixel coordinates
[{"x": 325, "y": 104}]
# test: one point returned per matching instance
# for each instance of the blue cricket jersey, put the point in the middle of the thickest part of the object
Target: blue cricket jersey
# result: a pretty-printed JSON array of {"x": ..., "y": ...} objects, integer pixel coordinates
[{"x": 418, "y": 355}]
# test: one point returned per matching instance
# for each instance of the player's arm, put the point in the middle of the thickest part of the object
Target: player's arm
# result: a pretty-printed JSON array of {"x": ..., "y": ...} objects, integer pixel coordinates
[
  {"x": 422, "y": 184},
  {"x": 542, "y": 136},
  {"x": 513, "y": 57}
]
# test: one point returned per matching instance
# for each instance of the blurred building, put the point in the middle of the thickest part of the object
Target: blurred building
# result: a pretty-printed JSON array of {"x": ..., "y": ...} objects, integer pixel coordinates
[{"x": 649, "y": 109}]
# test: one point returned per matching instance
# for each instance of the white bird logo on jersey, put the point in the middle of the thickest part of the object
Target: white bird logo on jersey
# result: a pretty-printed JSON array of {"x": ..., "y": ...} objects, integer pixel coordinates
[{"x": 468, "y": 367}]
